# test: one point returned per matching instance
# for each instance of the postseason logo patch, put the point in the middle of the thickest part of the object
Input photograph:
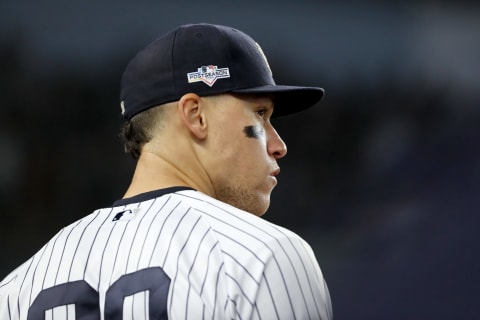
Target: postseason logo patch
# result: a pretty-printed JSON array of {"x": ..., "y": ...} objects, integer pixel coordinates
[{"x": 208, "y": 74}]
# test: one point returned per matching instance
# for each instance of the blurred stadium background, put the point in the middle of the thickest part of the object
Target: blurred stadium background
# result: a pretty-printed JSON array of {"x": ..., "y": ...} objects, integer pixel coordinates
[{"x": 382, "y": 177}]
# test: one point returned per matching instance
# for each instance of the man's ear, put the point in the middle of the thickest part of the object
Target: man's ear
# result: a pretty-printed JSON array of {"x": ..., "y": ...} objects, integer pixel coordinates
[{"x": 192, "y": 114}]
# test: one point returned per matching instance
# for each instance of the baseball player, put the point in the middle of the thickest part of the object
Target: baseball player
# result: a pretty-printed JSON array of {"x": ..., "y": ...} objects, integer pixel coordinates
[{"x": 186, "y": 241}]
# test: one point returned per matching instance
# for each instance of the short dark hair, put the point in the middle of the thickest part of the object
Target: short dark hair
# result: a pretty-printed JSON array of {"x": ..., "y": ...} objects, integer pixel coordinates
[{"x": 139, "y": 130}]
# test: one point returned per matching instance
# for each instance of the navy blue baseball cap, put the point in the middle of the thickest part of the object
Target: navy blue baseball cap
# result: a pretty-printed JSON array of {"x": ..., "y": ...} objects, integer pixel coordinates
[{"x": 207, "y": 60}]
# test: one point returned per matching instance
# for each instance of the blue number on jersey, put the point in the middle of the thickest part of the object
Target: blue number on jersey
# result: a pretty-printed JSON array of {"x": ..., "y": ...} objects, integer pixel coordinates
[{"x": 86, "y": 299}]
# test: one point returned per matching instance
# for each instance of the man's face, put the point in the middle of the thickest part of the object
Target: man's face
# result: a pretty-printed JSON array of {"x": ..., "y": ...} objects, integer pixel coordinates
[{"x": 246, "y": 148}]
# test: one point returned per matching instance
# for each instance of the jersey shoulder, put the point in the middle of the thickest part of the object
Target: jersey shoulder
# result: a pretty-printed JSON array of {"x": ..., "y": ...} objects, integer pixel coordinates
[
  {"x": 221, "y": 215},
  {"x": 265, "y": 264}
]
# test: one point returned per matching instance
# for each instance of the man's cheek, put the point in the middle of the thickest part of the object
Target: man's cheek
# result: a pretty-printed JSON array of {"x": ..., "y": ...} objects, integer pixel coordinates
[{"x": 255, "y": 132}]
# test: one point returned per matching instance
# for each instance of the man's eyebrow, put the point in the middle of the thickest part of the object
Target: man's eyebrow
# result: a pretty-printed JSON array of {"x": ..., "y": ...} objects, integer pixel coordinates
[{"x": 268, "y": 103}]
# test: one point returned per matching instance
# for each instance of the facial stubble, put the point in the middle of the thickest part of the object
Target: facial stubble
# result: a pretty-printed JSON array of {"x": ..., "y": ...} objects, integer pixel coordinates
[{"x": 246, "y": 199}]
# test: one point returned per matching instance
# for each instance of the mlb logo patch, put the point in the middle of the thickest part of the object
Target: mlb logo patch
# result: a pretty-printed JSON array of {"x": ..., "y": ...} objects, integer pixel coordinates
[
  {"x": 208, "y": 74},
  {"x": 125, "y": 215}
]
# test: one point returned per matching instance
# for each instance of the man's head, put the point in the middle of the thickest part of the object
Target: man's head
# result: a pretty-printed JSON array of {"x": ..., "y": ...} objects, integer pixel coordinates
[
  {"x": 224, "y": 142},
  {"x": 199, "y": 100}
]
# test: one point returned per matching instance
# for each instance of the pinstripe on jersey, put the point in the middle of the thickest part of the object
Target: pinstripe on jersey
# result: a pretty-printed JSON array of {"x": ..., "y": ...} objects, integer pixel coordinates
[{"x": 177, "y": 249}]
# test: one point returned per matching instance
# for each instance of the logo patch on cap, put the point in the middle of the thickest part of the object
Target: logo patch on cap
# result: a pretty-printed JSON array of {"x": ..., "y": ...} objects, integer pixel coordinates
[{"x": 208, "y": 74}]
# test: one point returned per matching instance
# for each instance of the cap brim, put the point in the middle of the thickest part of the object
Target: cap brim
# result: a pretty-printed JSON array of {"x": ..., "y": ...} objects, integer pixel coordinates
[{"x": 288, "y": 99}]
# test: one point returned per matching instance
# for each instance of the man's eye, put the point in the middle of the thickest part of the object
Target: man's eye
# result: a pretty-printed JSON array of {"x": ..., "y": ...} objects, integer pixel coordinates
[{"x": 262, "y": 112}]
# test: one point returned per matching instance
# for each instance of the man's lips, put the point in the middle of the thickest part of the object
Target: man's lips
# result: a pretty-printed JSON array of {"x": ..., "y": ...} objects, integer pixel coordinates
[
  {"x": 275, "y": 172},
  {"x": 273, "y": 175}
]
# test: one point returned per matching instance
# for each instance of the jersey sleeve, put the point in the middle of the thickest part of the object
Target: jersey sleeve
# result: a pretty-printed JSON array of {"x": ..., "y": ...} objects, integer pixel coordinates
[
  {"x": 292, "y": 285},
  {"x": 5, "y": 286},
  {"x": 8, "y": 293}
]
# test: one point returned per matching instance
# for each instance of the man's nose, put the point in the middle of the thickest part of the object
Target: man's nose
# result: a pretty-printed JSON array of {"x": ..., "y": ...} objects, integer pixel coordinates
[{"x": 275, "y": 146}]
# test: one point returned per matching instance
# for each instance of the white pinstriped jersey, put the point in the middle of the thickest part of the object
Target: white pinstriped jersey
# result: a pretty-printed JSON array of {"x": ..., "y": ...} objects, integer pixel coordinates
[{"x": 173, "y": 253}]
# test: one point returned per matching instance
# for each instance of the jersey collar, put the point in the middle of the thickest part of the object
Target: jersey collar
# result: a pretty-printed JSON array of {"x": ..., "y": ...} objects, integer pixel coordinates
[{"x": 149, "y": 195}]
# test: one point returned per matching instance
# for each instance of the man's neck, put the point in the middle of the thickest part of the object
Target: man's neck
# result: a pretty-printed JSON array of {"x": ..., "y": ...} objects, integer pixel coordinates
[{"x": 154, "y": 172}]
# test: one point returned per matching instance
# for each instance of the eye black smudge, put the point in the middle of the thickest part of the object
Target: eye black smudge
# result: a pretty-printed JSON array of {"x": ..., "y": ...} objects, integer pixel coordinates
[{"x": 253, "y": 131}]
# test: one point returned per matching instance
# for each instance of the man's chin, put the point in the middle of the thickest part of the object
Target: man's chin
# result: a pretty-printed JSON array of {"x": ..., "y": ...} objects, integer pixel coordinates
[
  {"x": 261, "y": 207},
  {"x": 254, "y": 203}
]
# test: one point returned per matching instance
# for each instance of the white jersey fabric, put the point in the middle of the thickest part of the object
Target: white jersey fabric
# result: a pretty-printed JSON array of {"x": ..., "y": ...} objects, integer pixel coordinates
[{"x": 169, "y": 254}]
